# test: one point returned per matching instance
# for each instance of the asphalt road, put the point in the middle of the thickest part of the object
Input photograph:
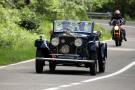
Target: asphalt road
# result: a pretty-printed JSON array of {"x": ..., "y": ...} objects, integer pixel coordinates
[{"x": 117, "y": 76}]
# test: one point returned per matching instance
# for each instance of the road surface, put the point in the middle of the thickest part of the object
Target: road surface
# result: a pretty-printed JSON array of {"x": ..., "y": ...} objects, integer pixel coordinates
[{"x": 119, "y": 75}]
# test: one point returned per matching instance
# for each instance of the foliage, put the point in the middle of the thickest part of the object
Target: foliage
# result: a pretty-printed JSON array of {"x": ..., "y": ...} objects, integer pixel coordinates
[
  {"x": 22, "y": 22},
  {"x": 105, "y": 34},
  {"x": 15, "y": 42},
  {"x": 125, "y": 6}
]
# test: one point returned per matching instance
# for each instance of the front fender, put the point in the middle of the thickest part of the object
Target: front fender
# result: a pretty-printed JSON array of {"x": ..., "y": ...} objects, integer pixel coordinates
[
  {"x": 92, "y": 47},
  {"x": 103, "y": 50},
  {"x": 43, "y": 49},
  {"x": 92, "y": 50},
  {"x": 41, "y": 44}
]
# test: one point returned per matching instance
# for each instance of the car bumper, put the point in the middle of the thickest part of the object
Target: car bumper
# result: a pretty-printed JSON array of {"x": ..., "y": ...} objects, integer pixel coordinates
[{"x": 70, "y": 60}]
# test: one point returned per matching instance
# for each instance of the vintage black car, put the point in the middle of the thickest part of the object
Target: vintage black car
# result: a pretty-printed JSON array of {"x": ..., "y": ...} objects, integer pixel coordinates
[{"x": 72, "y": 43}]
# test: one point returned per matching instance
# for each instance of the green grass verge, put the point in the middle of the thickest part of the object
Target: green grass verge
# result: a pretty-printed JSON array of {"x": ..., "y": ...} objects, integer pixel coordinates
[
  {"x": 106, "y": 35},
  {"x": 10, "y": 55}
]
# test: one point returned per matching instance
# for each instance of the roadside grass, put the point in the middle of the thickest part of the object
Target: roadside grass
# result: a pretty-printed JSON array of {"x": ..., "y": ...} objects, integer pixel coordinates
[
  {"x": 16, "y": 43},
  {"x": 105, "y": 34},
  {"x": 46, "y": 27},
  {"x": 10, "y": 55}
]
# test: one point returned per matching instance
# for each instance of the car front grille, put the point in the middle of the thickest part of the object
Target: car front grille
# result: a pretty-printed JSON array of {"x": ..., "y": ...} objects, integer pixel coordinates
[{"x": 66, "y": 45}]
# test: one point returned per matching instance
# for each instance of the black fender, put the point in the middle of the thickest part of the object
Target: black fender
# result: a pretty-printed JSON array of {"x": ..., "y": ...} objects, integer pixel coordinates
[
  {"x": 41, "y": 43},
  {"x": 43, "y": 49},
  {"x": 92, "y": 50},
  {"x": 92, "y": 47},
  {"x": 103, "y": 50}
]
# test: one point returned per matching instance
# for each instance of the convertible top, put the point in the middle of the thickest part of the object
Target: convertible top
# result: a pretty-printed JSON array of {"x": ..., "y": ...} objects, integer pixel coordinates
[{"x": 73, "y": 26}]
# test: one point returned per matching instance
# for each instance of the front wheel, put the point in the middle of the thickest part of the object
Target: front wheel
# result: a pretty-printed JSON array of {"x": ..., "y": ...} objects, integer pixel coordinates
[
  {"x": 93, "y": 68},
  {"x": 39, "y": 66},
  {"x": 101, "y": 64},
  {"x": 118, "y": 43}
]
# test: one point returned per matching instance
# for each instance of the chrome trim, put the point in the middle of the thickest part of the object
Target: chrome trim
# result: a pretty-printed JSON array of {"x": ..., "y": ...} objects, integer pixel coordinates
[
  {"x": 65, "y": 55},
  {"x": 70, "y": 60}
]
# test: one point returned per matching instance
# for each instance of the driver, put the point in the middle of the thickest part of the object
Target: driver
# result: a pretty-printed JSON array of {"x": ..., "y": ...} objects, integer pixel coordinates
[
  {"x": 65, "y": 25},
  {"x": 117, "y": 16}
]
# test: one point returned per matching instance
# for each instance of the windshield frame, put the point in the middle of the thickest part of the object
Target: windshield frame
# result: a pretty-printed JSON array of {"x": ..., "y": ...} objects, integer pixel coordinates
[{"x": 76, "y": 26}]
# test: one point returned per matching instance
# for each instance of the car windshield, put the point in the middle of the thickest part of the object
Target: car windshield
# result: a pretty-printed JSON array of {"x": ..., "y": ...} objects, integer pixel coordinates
[{"x": 72, "y": 26}]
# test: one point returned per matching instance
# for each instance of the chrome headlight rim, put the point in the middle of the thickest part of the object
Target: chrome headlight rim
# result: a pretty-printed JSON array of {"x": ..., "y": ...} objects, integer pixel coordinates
[
  {"x": 55, "y": 41},
  {"x": 116, "y": 28},
  {"x": 78, "y": 42}
]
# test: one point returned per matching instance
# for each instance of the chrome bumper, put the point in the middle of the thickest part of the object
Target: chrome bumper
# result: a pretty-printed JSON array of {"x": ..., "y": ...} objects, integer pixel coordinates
[{"x": 59, "y": 59}]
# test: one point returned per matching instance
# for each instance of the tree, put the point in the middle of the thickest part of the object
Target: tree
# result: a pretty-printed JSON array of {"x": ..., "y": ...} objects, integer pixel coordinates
[{"x": 27, "y": 2}]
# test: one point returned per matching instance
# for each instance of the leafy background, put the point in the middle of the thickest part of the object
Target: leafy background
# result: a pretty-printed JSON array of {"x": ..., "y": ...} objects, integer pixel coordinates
[{"x": 22, "y": 21}]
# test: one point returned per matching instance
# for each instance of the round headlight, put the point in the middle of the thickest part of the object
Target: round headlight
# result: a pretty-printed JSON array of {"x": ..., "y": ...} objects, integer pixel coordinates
[
  {"x": 55, "y": 41},
  {"x": 78, "y": 42},
  {"x": 116, "y": 28}
]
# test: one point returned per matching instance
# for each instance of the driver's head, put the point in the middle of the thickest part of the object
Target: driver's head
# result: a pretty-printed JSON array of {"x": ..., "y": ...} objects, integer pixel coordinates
[
  {"x": 65, "y": 24},
  {"x": 117, "y": 13}
]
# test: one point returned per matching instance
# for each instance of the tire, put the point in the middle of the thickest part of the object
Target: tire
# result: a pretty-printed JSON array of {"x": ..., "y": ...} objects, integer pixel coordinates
[
  {"x": 52, "y": 66},
  {"x": 39, "y": 63},
  {"x": 39, "y": 53},
  {"x": 39, "y": 66},
  {"x": 101, "y": 64},
  {"x": 120, "y": 43},
  {"x": 93, "y": 69},
  {"x": 116, "y": 43},
  {"x": 102, "y": 58}
]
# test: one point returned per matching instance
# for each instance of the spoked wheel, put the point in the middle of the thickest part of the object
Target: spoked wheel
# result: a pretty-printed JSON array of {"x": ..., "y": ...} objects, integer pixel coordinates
[
  {"x": 93, "y": 68},
  {"x": 52, "y": 66}
]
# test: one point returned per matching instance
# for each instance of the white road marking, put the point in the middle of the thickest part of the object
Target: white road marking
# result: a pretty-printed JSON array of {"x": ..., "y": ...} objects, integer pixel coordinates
[
  {"x": 63, "y": 86},
  {"x": 121, "y": 49},
  {"x": 16, "y": 63},
  {"x": 124, "y": 25},
  {"x": 94, "y": 79},
  {"x": 75, "y": 84}
]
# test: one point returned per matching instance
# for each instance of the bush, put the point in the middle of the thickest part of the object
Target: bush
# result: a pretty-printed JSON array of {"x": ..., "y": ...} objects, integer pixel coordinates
[
  {"x": 16, "y": 43},
  {"x": 29, "y": 25}
]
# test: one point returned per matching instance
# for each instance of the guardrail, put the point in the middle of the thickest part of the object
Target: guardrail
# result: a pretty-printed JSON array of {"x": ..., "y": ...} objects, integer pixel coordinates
[{"x": 99, "y": 15}]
